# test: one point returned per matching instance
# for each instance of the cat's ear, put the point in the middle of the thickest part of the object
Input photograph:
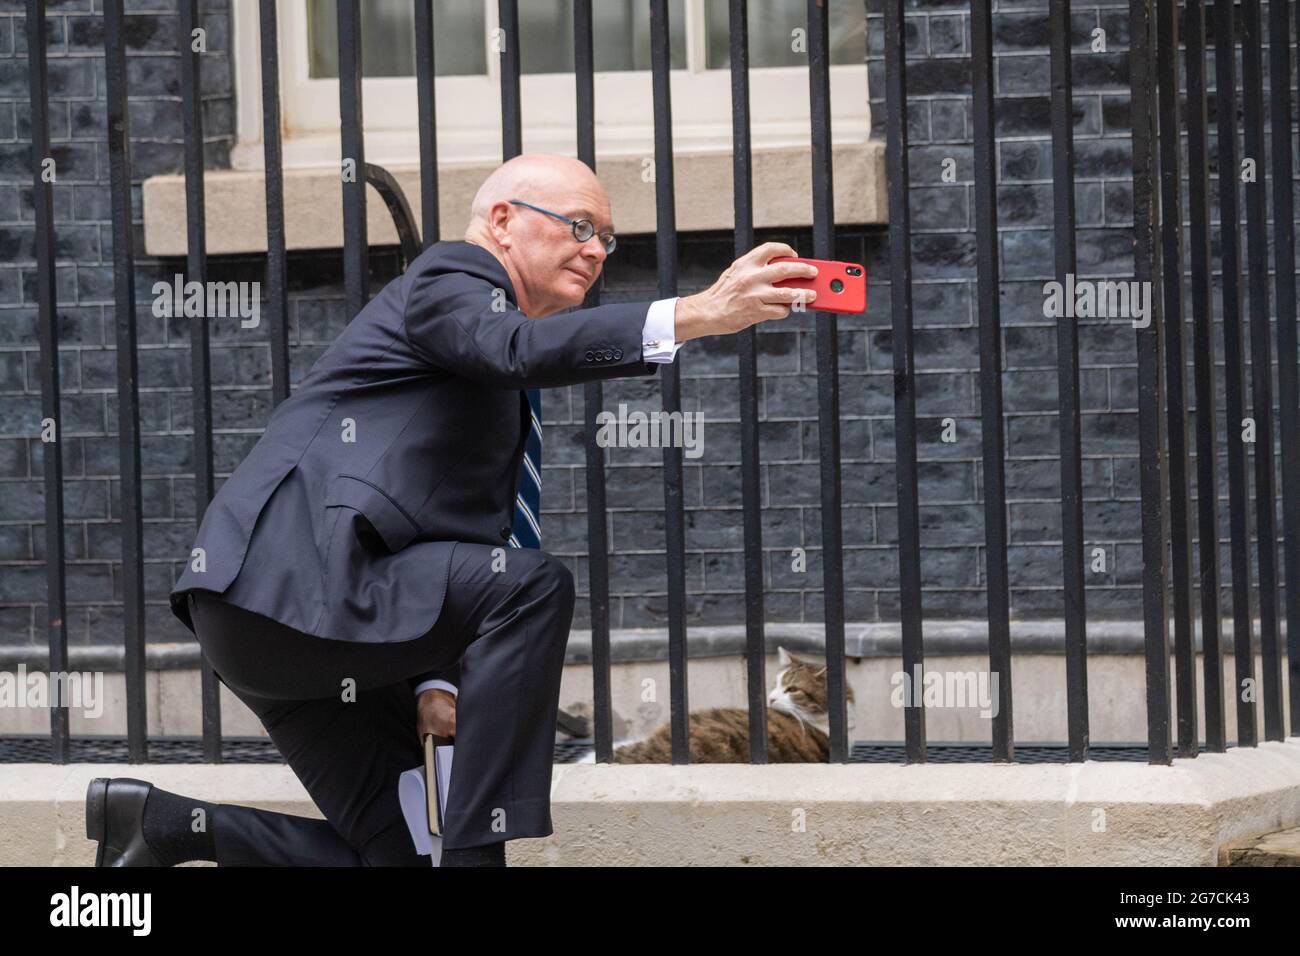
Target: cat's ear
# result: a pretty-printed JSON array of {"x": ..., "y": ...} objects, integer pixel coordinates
[
  {"x": 782, "y": 657},
  {"x": 822, "y": 671}
]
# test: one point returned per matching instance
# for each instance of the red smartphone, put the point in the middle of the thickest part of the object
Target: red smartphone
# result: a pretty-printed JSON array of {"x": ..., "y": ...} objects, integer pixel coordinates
[{"x": 840, "y": 286}]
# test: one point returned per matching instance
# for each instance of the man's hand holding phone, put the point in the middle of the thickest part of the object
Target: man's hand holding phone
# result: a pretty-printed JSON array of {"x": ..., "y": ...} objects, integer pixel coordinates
[{"x": 745, "y": 294}]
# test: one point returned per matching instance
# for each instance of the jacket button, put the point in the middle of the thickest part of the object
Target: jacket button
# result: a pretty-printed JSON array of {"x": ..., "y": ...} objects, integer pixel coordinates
[
  {"x": 609, "y": 354},
  {"x": 618, "y": 354},
  {"x": 505, "y": 534},
  {"x": 590, "y": 356},
  {"x": 600, "y": 356}
]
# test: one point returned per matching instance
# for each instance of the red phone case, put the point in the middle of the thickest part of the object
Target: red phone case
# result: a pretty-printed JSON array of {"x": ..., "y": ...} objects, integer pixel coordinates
[{"x": 850, "y": 300}]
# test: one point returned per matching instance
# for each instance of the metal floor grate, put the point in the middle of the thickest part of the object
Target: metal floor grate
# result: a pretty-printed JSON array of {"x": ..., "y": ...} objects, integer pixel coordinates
[
  {"x": 29, "y": 749},
  {"x": 16, "y": 748},
  {"x": 883, "y": 752},
  {"x": 873, "y": 752}
]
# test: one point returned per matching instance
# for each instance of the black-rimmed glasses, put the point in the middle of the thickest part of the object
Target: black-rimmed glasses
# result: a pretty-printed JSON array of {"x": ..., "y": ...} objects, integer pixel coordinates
[{"x": 583, "y": 229}]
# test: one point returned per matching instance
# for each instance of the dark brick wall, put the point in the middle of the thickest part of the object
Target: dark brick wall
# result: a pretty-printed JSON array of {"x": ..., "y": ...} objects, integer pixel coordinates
[{"x": 946, "y": 338}]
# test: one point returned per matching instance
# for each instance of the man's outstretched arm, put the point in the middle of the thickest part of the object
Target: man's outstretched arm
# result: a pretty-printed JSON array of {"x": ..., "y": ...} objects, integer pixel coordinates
[{"x": 464, "y": 326}]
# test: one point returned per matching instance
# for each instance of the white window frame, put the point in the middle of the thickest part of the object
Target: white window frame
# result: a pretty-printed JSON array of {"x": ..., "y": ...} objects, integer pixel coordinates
[{"x": 469, "y": 107}]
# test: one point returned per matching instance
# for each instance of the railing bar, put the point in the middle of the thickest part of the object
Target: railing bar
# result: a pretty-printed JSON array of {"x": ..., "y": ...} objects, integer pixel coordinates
[
  {"x": 1288, "y": 374},
  {"x": 671, "y": 382},
  {"x": 1180, "y": 516},
  {"x": 747, "y": 353},
  {"x": 399, "y": 210},
  {"x": 1064, "y": 225},
  {"x": 584, "y": 70},
  {"x": 1151, "y": 398},
  {"x": 900, "y": 282},
  {"x": 511, "y": 122},
  {"x": 990, "y": 381},
  {"x": 1225, "y": 112},
  {"x": 427, "y": 107},
  {"x": 56, "y": 596},
  {"x": 128, "y": 399},
  {"x": 1261, "y": 365},
  {"x": 828, "y": 384},
  {"x": 1204, "y": 373},
  {"x": 356, "y": 272},
  {"x": 593, "y": 402},
  {"x": 275, "y": 301},
  {"x": 196, "y": 268}
]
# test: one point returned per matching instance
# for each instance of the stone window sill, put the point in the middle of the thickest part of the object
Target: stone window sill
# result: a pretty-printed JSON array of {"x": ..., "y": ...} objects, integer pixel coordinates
[{"x": 235, "y": 200}]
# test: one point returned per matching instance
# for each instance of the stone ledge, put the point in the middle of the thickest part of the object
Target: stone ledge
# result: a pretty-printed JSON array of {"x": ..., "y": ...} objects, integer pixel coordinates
[
  {"x": 727, "y": 814},
  {"x": 1272, "y": 849},
  {"x": 235, "y": 200}
]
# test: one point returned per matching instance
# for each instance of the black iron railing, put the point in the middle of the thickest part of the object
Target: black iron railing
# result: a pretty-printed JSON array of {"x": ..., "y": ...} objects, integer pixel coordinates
[{"x": 1168, "y": 584}]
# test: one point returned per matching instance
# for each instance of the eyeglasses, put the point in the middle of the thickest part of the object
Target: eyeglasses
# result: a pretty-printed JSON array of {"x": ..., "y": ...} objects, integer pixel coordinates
[{"x": 582, "y": 228}]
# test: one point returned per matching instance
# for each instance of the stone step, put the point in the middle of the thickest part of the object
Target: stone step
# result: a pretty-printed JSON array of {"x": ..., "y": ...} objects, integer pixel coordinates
[{"x": 1280, "y": 848}]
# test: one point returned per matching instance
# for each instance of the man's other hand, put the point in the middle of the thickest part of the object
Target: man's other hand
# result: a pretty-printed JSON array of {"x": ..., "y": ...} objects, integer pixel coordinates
[
  {"x": 744, "y": 295},
  {"x": 435, "y": 713}
]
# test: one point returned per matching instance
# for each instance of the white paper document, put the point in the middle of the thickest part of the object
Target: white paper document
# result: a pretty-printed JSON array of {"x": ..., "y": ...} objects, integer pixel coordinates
[{"x": 415, "y": 805}]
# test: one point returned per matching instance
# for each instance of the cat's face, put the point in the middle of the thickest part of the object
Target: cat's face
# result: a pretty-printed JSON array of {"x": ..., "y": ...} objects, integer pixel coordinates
[{"x": 801, "y": 688}]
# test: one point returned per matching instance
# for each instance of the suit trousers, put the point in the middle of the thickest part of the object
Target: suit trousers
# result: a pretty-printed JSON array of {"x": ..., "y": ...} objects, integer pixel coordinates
[{"x": 343, "y": 715}]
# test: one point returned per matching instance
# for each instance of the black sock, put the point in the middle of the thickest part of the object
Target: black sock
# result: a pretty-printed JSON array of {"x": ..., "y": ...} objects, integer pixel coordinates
[
  {"x": 170, "y": 828},
  {"x": 489, "y": 854}
]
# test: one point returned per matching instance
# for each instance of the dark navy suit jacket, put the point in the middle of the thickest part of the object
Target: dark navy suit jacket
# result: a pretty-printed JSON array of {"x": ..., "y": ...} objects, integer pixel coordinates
[{"x": 406, "y": 436}]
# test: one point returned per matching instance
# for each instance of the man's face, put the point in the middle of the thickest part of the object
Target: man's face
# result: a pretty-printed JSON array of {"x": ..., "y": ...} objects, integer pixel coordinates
[{"x": 555, "y": 269}]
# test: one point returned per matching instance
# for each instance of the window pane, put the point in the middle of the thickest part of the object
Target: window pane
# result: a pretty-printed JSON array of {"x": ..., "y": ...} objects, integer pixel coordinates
[
  {"x": 771, "y": 24},
  {"x": 388, "y": 38},
  {"x": 620, "y": 35}
]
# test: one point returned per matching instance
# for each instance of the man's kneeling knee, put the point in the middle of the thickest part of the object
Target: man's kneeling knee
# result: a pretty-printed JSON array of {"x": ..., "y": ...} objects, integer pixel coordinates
[{"x": 552, "y": 573}]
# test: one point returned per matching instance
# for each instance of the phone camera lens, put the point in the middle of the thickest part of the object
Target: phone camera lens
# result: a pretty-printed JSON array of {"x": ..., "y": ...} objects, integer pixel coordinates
[
  {"x": 837, "y": 285},
  {"x": 853, "y": 271}
]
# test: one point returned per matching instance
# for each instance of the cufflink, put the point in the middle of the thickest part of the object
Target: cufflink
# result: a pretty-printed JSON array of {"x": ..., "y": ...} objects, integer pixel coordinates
[{"x": 650, "y": 345}]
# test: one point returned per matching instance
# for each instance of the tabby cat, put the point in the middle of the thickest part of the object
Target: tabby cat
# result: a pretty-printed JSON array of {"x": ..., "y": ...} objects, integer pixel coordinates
[{"x": 797, "y": 724}]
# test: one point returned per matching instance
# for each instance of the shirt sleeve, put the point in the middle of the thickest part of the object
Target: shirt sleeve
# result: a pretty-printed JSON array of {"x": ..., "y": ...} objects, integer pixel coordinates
[
  {"x": 658, "y": 342},
  {"x": 435, "y": 684}
]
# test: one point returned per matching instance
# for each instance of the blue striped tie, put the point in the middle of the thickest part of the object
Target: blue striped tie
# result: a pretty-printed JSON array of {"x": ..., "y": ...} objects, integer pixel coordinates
[{"x": 527, "y": 530}]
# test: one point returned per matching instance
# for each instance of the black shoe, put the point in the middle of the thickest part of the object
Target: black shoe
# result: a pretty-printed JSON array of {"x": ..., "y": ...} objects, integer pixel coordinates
[
  {"x": 115, "y": 817},
  {"x": 489, "y": 854}
]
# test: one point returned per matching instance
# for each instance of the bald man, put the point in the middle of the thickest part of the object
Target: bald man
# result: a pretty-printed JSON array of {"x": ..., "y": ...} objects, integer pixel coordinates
[{"x": 350, "y": 581}]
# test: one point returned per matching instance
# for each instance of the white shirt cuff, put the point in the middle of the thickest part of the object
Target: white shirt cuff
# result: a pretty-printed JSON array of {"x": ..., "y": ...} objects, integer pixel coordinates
[
  {"x": 658, "y": 343},
  {"x": 432, "y": 684}
]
